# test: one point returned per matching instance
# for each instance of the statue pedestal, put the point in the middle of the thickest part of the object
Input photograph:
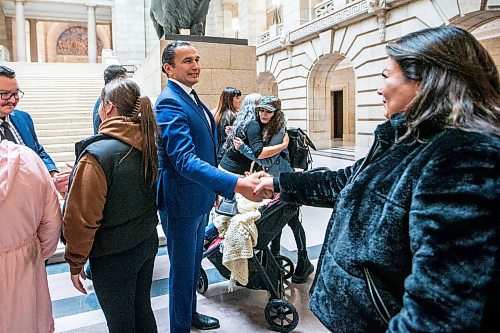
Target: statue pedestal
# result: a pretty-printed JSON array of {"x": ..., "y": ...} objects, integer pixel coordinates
[{"x": 225, "y": 62}]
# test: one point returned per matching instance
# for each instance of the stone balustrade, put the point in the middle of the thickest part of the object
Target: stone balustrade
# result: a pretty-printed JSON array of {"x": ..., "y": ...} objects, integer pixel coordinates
[
  {"x": 323, "y": 8},
  {"x": 328, "y": 19}
]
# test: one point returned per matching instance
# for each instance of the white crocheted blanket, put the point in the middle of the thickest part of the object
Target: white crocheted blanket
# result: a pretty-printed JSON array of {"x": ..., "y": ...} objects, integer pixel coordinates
[{"x": 239, "y": 239}]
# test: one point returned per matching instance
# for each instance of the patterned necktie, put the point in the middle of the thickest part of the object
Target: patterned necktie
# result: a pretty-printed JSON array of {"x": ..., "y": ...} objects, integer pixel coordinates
[{"x": 7, "y": 133}]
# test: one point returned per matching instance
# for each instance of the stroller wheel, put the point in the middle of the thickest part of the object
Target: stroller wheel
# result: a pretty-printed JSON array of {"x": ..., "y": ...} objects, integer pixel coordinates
[
  {"x": 202, "y": 282},
  {"x": 286, "y": 265},
  {"x": 281, "y": 315}
]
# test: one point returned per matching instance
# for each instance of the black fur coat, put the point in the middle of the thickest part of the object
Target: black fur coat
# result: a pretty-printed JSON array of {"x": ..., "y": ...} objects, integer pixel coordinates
[{"x": 413, "y": 244}]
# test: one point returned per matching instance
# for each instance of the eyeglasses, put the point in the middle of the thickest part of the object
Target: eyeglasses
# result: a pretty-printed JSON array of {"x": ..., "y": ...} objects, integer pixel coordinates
[{"x": 6, "y": 95}]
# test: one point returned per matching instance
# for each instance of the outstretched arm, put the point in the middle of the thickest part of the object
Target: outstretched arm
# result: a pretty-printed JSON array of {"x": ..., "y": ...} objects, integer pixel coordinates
[{"x": 318, "y": 188}]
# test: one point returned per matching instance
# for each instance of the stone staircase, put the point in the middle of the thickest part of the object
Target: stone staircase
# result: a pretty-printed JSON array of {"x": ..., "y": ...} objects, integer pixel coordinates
[{"x": 60, "y": 98}]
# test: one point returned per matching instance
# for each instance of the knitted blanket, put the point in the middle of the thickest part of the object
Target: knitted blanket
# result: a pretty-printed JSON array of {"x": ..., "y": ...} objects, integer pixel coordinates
[{"x": 239, "y": 240}]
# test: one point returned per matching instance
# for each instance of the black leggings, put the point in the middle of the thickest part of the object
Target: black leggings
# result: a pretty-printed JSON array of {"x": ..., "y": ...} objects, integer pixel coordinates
[
  {"x": 298, "y": 233},
  {"x": 122, "y": 283}
]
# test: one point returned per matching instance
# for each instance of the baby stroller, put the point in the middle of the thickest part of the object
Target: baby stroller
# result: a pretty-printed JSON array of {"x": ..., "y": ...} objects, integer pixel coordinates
[{"x": 266, "y": 271}]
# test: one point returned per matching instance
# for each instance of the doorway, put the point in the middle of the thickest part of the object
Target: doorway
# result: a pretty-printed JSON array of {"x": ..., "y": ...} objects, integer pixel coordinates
[{"x": 338, "y": 114}]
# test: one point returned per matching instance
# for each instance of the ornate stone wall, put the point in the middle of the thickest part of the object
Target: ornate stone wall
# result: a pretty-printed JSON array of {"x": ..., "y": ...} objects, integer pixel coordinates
[{"x": 302, "y": 59}]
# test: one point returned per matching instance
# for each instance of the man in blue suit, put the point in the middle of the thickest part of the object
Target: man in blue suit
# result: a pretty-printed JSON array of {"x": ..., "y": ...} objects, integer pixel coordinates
[
  {"x": 17, "y": 126},
  {"x": 188, "y": 181}
]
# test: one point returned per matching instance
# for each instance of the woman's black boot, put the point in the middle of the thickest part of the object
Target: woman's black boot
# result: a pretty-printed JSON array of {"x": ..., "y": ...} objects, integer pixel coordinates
[
  {"x": 304, "y": 267},
  {"x": 303, "y": 270}
]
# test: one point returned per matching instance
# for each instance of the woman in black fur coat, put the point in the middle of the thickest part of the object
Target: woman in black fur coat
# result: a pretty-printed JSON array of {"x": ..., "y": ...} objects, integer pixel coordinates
[{"x": 413, "y": 245}]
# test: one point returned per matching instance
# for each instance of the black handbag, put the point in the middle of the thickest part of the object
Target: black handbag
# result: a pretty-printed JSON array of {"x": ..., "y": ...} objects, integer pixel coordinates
[{"x": 227, "y": 207}]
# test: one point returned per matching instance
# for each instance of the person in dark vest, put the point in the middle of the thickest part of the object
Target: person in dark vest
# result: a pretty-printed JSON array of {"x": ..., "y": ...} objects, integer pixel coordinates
[{"x": 111, "y": 214}]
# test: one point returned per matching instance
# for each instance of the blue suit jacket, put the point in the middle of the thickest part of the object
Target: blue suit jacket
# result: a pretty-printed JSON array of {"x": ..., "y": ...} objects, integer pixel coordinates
[
  {"x": 188, "y": 179},
  {"x": 24, "y": 125}
]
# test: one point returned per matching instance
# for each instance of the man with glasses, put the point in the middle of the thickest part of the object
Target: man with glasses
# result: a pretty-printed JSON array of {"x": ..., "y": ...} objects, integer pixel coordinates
[{"x": 17, "y": 126}]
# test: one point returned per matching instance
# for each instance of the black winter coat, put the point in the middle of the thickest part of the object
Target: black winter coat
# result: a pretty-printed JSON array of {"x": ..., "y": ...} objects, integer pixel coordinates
[{"x": 413, "y": 244}]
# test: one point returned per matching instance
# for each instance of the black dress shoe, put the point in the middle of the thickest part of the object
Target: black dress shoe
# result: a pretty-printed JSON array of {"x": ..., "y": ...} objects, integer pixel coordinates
[{"x": 203, "y": 322}]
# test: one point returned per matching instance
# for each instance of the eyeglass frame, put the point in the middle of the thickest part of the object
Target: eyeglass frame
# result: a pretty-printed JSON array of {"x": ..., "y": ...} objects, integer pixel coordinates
[{"x": 17, "y": 94}]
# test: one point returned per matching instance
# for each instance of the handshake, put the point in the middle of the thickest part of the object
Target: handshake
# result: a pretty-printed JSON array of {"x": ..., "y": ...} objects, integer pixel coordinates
[{"x": 255, "y": 187}]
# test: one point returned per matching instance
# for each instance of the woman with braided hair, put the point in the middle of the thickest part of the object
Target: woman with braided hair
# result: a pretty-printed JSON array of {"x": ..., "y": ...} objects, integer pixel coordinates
[{"x": 110, "y": 215}]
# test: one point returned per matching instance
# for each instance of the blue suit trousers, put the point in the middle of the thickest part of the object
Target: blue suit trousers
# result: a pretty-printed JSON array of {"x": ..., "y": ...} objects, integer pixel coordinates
[{"x": 185, "y": 248}]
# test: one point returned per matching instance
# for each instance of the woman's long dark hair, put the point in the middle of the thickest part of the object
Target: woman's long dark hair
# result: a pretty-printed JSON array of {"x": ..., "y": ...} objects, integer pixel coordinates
[
  {"x": 276, "y": 123},
  {"x": 225, "y": 107},
  {"x": 458, "y": 81},
  {"x": 125, "y": 94}
]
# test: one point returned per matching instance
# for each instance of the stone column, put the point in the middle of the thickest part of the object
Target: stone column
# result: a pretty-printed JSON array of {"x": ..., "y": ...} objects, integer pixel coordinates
[
  {"x": 20, "y": 31},
  {"x": 41, "y": 36},
  {"x": 215, "y": 19},
  {"x": 129, "y": 43},
  {"x": 92, "y": 34},
  {"x": 252, "y": 16},
  {"x": 227, "y": 12},
  {"x": 33, "y": 40},
  {"x": 260, "y": 22},
  {"x": 245, "y": 18},
  {"x": 295, "y": 13}
]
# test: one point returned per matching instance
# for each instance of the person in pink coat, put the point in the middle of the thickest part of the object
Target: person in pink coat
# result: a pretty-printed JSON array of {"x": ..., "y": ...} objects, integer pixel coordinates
[{"x": 30, "y": 226}]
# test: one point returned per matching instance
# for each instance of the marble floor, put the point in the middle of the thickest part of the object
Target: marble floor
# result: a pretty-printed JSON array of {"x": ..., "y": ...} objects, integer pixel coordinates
[{"x": 241, "y": 310}]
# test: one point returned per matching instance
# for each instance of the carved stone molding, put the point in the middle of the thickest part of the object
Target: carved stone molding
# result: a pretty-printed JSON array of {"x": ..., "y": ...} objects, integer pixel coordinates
[
  {"x": 324, "y": 8},
  {"x": 338, "y": 18},
  {"x": 374, "y": 5},
  {"x": 328, "y": 21},
  {"x": 382, "y": 19},
  {"x": 270, "y": 45}
]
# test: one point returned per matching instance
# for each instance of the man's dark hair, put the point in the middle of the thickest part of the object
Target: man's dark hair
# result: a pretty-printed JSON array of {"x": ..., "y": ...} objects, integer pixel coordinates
[
  {"x": 7, "y": 72},
  {"x": 168, "y": 54},
  {"x": 113, "y": 72}
]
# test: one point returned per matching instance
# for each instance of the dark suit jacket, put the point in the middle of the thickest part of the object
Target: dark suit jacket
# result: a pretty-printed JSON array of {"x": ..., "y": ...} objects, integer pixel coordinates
[
  {"x": 188, "y": 179},
  {"x": 96, "y": 119},
  {"x": 24, "y": 125}
]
